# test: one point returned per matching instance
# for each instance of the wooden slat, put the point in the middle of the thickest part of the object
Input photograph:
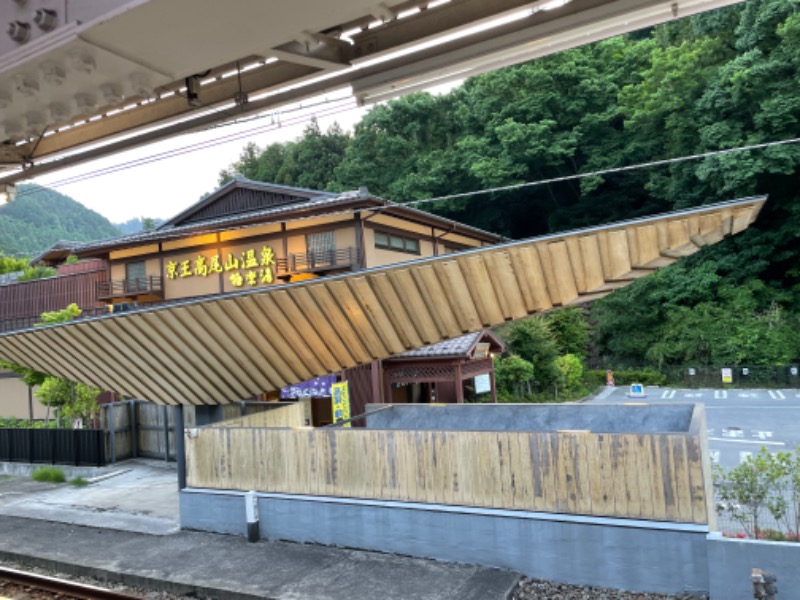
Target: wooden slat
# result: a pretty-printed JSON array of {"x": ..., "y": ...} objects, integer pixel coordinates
[
  {"x": 396, "y": 311},
  {"x": 375, "y": 313},
  {"x": 292, "y": 314},
  {"x": 292, "y": 337},
  {"x": 253, "y": 326},
  {"x": 349, "y": 321},
  {"x": 319, "y": 306},
  {"x": 457, "y": 288},
  {"x": 405, "y": 287},
  {"x": 431, "y": 289},
  {"x": 564, "y": 275},
  {"x": 506, "y": 285},
  {"x": 249, "y": 356},
  {"x": 212, "y": 384},
  {"x": 568, "y": 472},
  {"x": 529, "y": 273},
  {"x": 480, "y": 287}
]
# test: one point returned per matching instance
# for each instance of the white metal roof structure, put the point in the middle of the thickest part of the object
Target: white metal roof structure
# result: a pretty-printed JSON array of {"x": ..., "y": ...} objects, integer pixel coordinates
[
  {"x": 225, "y": 348},
  {"x": 81, "y": 78}
]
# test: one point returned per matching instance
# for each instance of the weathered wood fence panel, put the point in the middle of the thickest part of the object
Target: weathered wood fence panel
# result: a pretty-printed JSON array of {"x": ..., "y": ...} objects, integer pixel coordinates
[
  {"x": 287, "y": 415},
  {"x": 155, "y": 430},
  {"x": 642, "y": 476}
]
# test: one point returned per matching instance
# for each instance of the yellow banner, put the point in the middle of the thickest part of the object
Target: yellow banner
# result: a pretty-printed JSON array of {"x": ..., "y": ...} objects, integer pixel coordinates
[{"x": 340, "y": 395}]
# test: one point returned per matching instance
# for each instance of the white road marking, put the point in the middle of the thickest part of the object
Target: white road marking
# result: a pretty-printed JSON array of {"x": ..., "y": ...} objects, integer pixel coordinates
[
  {"x": 746, "y": 395},
  {"x": 692, "y": 395},
  {"x": 732, "y": 432},
  {"x": 714, "y": 455},
  {"x": 720, "y": 394},
  {"x": 744, "y": 455},
  {"x": 668, "y": 394},
  {"x": 777, "y": 395},
  {"x": 738, "y": 441},
  {"x": 762, "y": 434}
]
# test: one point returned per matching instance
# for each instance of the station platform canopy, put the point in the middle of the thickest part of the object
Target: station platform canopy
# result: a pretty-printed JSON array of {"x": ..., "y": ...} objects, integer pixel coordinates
[
  {"x": 228, "y": 347},
  {"x": 80, "y": 80}
]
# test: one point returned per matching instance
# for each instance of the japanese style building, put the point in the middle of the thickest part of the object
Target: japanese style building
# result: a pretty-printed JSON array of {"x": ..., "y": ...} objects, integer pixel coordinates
[{"x": 248, "y": 235}]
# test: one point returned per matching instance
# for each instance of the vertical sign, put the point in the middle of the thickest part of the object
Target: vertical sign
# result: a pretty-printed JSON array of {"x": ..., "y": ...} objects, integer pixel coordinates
[
  {"x": 727, "y": 375},
  {"x": 340, "y": 396}
]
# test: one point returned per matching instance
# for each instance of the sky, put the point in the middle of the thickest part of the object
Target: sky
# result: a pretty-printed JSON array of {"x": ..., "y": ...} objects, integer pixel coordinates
[{"x": 163, "y": 188}]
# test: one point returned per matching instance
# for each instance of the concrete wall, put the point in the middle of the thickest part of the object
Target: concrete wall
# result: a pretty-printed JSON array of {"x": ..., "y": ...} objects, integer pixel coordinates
[
  {"x": 730, "y": 562},
  {"x": 642, "y": 556},
  {"x": 597, "y": 418},
  {"x": 14, "y": 398}
]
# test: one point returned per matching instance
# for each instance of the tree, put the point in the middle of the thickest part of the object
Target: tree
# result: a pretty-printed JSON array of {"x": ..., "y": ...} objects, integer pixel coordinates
[
  {"x": 514, "y": 374},
  {"x": 531, "y": 341},
  {"x": 570, "y": 373},
  {"x": 149, "y": 224},
  {"x": 748, "y": 488},
  {"x": 570, "y": 330}
]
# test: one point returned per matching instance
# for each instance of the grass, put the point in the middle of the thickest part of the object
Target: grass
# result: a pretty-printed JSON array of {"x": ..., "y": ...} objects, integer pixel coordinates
[
  {"x": 78, "y": 482},
  {"x": 49, "y": 474}
]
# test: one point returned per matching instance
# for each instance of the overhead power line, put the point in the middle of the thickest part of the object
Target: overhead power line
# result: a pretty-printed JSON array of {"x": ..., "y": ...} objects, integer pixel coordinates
[{"x": 654, "y": 163}]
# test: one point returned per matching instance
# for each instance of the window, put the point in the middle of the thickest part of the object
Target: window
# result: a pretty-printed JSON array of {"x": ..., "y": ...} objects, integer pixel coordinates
[
  {"x": 321, "y": 248},
  {"x": 398, "y": 243},
  {"x": 135, "y": 277},
  {"x": 135, "y": 270}
]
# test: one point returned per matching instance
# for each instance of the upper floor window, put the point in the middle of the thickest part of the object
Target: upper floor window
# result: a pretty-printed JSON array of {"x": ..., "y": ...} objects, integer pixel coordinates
[
  {"x": 135, "y": 270},
  {"x": 391, "y": 241},
  {"x": 321, "y": 242}
]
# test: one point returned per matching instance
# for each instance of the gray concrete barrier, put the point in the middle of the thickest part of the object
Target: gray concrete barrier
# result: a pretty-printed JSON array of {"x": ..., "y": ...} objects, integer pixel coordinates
[
  {"x": 730, "y": 562},
  {"x": 644, "y": 556}
]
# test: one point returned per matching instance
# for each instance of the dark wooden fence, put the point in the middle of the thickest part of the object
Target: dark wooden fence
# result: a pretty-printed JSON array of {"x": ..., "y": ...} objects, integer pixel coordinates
[{"x": 54, "y": 446}]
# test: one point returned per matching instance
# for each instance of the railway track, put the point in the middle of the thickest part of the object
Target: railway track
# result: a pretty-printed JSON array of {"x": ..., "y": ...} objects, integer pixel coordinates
[{"x": 58, "y": 588}]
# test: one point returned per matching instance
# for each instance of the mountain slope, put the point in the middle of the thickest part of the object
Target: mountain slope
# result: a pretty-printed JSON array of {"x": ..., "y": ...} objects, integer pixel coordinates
[{"x": 39, "y": 217}]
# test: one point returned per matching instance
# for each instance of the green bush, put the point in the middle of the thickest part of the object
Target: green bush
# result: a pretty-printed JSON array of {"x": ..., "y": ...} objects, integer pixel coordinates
[
  {"x": 15, "y": 423},
  {"x": 78, "y": 482},
  {"x": 49, "y": 474}
]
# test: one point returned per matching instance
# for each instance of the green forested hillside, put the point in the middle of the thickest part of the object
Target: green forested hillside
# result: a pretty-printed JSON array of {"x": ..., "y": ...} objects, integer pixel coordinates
[
  {"x": 718, "y": 80},
  {"x": 39, "y": 217}
]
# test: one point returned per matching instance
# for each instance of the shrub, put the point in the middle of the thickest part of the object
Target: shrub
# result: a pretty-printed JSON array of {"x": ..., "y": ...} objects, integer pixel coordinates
[
  {"x": 78, "y": 482},
  {"x": 49, "y": 474}
]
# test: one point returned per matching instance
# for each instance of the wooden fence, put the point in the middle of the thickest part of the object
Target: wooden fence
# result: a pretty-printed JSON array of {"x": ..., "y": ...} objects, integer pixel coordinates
[
  {"x": 286, "y": 415},
  {"x": 644, "y": 476}
]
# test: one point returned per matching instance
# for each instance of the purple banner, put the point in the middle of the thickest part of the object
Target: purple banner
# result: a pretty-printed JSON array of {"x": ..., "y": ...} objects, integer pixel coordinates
[{"x": 313, "y": 388}]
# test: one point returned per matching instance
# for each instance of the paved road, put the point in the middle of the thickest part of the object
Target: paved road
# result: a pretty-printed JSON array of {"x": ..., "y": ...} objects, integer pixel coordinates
[{"x": 739, "y": 421}]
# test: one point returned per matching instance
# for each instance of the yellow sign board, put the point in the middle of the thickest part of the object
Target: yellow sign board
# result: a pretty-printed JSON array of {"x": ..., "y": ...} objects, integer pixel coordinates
[
  {"x": 340, "y": 396},
  {"x": 727, "y": 375},
  {"x": 248, "y": 268}
]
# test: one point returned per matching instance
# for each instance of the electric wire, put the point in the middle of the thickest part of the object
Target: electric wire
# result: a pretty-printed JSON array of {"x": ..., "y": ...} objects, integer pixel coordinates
[{"x": 334, "y": 107}]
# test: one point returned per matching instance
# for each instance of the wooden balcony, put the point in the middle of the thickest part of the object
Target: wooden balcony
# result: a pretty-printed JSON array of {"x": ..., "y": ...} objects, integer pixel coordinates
[
  {"x": 131, "y": 288},
  {"x": 326, "y": 260}
]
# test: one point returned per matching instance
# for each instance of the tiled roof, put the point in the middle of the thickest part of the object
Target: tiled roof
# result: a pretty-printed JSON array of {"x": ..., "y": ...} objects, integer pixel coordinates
[
  {"x": 453, "y": 347},
  {"x": 221, "y": 222}
]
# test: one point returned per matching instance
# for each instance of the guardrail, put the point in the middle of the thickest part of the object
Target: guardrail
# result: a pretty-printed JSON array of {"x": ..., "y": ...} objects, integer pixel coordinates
[
  {"x": 310, "y": 261},
  {"x": 153, "y": 285}
]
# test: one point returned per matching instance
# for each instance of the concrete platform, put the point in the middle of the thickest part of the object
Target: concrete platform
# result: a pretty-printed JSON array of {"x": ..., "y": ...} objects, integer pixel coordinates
[
  {"x": 136, "y": 495},
  {"x": 125, "y": 528}
]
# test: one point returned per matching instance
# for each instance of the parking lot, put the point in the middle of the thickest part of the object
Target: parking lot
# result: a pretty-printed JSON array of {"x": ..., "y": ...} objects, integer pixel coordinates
[{"x": 740, "y": 422}]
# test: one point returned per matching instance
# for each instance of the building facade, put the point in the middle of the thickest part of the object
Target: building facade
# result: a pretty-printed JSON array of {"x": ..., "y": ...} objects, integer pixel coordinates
[{"x": 245, "y": 235}]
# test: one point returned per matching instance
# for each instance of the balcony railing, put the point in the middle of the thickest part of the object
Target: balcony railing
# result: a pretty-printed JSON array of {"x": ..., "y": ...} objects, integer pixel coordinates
[
  {"x": 130, "y": 288},
  {"x": 316, "y": 261}
]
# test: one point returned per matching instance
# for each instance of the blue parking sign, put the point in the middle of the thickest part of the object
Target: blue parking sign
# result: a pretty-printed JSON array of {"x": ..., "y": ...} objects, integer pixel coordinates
[{"x": 636, "y": 391}]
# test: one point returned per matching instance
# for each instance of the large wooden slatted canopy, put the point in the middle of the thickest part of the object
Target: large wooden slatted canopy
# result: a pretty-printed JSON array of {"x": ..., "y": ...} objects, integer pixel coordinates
[{"x": 233, "y": 346}]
